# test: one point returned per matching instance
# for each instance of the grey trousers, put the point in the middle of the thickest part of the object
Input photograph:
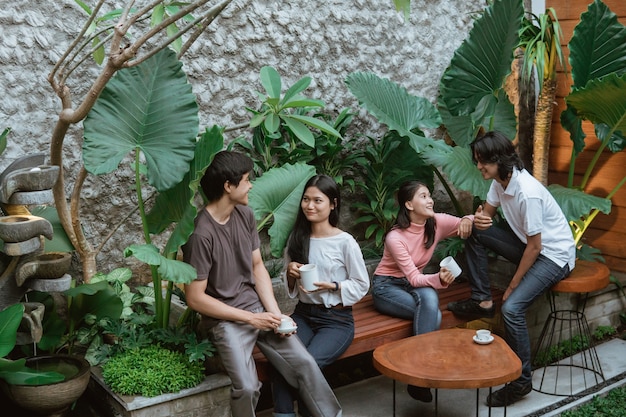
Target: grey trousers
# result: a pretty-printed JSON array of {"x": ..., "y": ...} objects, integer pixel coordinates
[{"x": 235, "y": 342}]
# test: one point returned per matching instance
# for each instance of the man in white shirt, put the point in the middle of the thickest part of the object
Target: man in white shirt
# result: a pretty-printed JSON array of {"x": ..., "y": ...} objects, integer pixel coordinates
[{"x": 538, "y": 240}]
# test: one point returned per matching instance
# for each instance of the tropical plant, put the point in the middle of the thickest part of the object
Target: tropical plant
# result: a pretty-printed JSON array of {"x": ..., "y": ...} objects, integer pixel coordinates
[
  {"x": 281, "y": 128},
  {"x": 598, "y": 95},
  {"x": 277, "y": 112},
  {"x": 275, "y": 200},
  {"x": 156, "y": 122},
  {"x": 119, "y": 39},
  {"x": 16, "y": 371},
  {"x": 105, "y": 318},
  {"x": 540, "y": 39},
  {"x": 336, "y": 156},
  {"x": 386, "y": 164}
]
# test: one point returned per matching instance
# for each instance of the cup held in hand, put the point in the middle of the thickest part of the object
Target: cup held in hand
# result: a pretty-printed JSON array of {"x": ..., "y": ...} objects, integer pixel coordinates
[
  {"x": 287, "y": 325},
  {"x": 308, "y": 275},
  {"x": 450, "y": 264}
]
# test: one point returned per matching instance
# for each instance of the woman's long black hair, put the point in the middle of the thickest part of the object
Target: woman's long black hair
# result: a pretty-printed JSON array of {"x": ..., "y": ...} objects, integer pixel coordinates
[
  {"x": 405, "y": 193},
  {"x": 298, "y": 243}
]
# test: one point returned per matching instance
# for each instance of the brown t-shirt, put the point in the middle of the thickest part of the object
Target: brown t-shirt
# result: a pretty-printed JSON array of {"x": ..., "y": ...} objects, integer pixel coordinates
[{"x": 222, "y": 253}]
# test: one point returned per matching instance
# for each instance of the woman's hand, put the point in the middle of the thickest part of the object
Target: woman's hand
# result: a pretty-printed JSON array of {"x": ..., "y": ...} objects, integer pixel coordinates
[
  {"x": 329, "y": 286},
  {"x": 293, "y": 270},
  {"x": 465, "y": 228},
  {"x": 445, "y": 276}
]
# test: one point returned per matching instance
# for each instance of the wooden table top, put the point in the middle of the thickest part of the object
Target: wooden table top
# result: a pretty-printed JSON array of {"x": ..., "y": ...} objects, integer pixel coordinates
[{"x": 448, "y": 359}]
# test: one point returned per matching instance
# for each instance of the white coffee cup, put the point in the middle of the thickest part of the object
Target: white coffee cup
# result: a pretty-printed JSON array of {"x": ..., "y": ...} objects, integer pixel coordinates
[
  {"x": 483, "y": 335},
  {"x": 308, "y": 275},
  {"x": 285, "y": 323},
  {"x": 450, "y": 264}
]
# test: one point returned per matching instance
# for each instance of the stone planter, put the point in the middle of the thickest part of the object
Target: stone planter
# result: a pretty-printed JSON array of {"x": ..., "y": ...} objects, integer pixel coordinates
[{"x": 210, "y": 398}]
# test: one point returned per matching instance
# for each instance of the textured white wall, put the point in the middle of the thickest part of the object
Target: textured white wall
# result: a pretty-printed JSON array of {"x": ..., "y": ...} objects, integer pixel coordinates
[{"x": 326, "y": 40}]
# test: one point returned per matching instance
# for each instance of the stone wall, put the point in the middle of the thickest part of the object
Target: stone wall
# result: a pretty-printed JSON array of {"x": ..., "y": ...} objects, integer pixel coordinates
[{"x": 326, "y": 40}]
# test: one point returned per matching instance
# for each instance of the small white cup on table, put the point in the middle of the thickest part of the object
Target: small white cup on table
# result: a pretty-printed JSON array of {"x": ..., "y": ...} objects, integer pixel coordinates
[{"x": 483, "y": 335}]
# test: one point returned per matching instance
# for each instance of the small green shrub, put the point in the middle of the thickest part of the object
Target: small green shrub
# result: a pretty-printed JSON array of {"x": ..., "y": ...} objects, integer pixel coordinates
[
  {"x": 611, "y": 405},
  {"x": 151, "y": 371},
  {"x": 603, "y": 332},
  {"x": 562, "y": 350}
]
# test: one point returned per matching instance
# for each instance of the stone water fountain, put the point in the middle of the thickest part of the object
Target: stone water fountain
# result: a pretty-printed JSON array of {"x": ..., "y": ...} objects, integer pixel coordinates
[{"x": 24, "y": 265}]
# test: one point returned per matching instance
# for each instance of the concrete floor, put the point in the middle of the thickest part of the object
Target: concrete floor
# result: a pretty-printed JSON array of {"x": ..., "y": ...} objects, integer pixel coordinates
[{"x": 373, "y": 397}]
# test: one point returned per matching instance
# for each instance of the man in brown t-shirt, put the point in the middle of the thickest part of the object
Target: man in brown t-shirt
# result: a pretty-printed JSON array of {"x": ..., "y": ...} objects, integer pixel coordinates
[{"x": 233, "y": 292}]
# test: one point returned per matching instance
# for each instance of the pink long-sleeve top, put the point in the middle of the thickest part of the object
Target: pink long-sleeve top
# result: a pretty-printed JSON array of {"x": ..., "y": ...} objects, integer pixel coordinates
[{"x": 405, "y": 254}]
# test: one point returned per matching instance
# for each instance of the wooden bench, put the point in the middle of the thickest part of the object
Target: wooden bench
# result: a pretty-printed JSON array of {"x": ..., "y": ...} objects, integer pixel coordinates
[{"x": 373, "y": 329}]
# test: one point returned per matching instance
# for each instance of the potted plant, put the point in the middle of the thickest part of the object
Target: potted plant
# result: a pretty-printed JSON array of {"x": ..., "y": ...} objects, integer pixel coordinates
[{"x": 43, "y": 384}]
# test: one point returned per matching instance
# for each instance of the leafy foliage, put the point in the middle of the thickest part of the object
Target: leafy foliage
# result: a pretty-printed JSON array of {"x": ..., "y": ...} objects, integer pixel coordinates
[
  {"x": 278, "y": 113},
  {"x": 151, "y": 371},
  {"x": 386, "y": 164},
  {"x": 564, "y": 349},
  {"x": 16, "y": 371},
  {"x": 150, "y": 111},
  {"x": 598, "y": 63},
  {"x": 275, "y": 200},
  {"x": 612, "y": 404}
]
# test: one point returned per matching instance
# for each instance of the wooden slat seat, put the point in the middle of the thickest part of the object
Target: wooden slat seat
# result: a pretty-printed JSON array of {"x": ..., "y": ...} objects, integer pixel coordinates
[{"x": 373, "y": 329}]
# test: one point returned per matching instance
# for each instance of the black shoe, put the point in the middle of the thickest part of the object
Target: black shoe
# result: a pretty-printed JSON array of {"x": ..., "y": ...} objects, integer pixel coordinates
[
  {"x": 419, "y": 393},
  {"x": 471, "y": 309},
  {"x": 508, "y": 395}
]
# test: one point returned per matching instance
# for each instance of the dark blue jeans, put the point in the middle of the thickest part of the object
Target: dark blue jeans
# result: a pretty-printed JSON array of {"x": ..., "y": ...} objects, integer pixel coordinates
[
  {"x": 541, "y": 276},
  {"x": 398, "y": 298},
  {"x": 326, "y": 333}
]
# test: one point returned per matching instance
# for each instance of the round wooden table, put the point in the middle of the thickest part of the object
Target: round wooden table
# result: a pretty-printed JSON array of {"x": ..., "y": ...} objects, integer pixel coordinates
[{"x": 448, "y": 359}]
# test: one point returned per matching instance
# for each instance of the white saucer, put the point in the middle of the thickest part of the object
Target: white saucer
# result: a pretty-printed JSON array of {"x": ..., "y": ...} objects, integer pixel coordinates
[
  {"x": 483, "y": 342},
  {"x": 287, "y": 330}
]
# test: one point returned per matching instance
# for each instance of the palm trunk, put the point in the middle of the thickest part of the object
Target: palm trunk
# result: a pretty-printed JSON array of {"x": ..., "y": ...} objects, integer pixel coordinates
[{"x": 543, "y": 126}]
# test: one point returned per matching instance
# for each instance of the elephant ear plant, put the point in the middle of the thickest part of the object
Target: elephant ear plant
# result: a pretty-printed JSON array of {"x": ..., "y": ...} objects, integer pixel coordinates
[
  {"x": 471, "y": 97},
  {"x": 598, "y": 95},
  {"x": 150, "y": 112}
]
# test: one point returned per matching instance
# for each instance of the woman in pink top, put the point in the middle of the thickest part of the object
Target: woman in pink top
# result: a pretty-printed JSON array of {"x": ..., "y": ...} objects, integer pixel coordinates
[{"x": 400, "y": 288}]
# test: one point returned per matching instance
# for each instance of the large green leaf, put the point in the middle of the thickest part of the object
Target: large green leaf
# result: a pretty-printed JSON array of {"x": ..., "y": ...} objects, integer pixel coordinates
[
  {"x": 602, "y": 100},
  {"x": 576, "y": 204},
  {"x": 169, "y": 269},
  {"x": 10, "y": 319},
  {"x": 463, "y": 129},
  {"x": 60, "y": 241},
  {"x": 176, "y": 204},
  {"x": 99, "y": 299},
  {"x": 393, "y": 106},
  {"x": 480, "y": 65},
  {"x": 276, "y": 194},
  {"x": 17, "y": 373},
  {"x": 270, "y": 80},
  {"x": 148, "y": 108},
  {"x": 459, "y": 168},
  {"x": 598, "y": 45}
]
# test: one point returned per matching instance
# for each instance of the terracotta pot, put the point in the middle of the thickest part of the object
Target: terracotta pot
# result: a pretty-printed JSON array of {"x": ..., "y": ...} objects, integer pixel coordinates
[{"x": 52, "y": 399}]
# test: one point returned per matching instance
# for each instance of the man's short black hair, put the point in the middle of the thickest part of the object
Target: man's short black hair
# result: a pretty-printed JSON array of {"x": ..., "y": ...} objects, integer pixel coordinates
[{"x": 226, "y": 166}]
